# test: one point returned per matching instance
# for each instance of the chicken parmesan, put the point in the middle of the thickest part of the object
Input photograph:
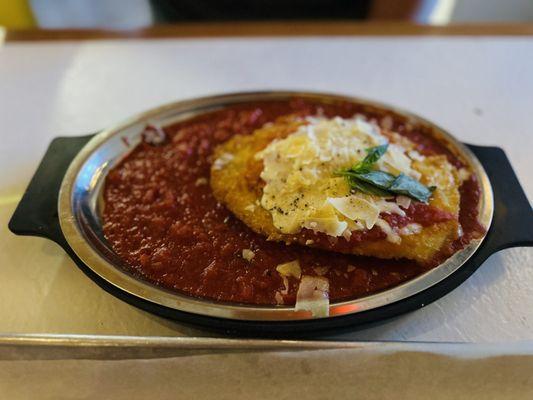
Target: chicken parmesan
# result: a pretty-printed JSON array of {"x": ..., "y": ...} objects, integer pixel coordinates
[
  {"x": 289, "y": 202},
  {"x": 291, "y": 181}
]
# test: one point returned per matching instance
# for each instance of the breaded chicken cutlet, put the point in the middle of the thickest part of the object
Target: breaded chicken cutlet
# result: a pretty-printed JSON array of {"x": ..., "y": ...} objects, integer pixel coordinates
[{"x": 305, "y": 181}]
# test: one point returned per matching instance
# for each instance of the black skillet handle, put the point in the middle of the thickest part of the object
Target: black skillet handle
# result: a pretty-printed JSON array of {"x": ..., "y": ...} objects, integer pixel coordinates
[
  {"x": 36, "y": 213},
  {"x": 512, "y": 224}
]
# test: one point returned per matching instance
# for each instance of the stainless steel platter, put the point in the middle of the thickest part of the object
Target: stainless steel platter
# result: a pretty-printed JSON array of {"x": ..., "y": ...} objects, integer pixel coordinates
[{"x": 79, "y": 206}]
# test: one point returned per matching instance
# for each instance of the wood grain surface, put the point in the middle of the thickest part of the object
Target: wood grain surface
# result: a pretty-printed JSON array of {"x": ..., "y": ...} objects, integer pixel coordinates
[{"x": 240, "y": 29}]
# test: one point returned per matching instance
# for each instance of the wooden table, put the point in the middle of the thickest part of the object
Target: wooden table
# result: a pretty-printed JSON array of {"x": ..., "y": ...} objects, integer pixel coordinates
[{"x": 270, "y": 29}]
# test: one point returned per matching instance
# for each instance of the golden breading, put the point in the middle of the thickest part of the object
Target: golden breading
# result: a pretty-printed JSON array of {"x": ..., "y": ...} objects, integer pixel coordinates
[
  {"x": 236, "y": 183},
  {"x": 424, "y": 245}
]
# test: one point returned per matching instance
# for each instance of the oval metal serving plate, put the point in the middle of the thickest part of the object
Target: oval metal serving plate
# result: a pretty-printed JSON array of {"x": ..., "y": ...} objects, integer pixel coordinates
[{"x": 80, "y": 202}]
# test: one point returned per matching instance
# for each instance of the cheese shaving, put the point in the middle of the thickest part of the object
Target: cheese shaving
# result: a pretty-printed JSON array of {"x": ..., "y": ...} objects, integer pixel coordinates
[
  {"x": 302, "y": 190},
  {"x": 291, "y": 268},
  {"x": 464, "y": 175},
  {"x": 403, "y": 201},
  {"x": 329, "y": 226},
  {"x": 221, "y": 161},
  {"x": 392, "y": 236},
  {"x": 356, "y": 208},
  {"x": 286, "y": 284},
  {"x": 248, "y": 254},
  {"x": 415, "y": 155},
  {"x": 410, "y": 229},
  {"x": 200, "y": 181},
  {"x": 313, "y": 295}
]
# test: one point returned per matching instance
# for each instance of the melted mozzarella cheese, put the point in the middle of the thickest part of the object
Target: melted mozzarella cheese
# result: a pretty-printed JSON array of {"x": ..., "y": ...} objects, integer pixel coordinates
[{"x": 301, "y": 189}]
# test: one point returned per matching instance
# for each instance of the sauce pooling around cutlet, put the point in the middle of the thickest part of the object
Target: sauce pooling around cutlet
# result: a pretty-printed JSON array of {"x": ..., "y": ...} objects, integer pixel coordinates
[{"x": 162, "y": 219}]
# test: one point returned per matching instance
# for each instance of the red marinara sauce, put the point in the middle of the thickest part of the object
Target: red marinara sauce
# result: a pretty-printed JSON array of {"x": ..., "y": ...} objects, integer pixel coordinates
[{"x": 161, "y": 218}]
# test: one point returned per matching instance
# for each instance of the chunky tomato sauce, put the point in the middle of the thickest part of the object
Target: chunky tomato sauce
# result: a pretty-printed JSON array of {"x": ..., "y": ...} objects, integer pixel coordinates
[{"x": 161, "y": 218}]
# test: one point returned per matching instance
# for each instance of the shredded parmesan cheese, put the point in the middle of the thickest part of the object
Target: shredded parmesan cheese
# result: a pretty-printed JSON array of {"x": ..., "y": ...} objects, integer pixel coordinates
[
  {"x": 313, "y": 295},
  {"x": 415, "y": 155},
  {"x": 221, "y": 161},
  {"x": 248, "y": 254},
  {"x": 302, "y": 189},
  {"x": 464, "y": 175},
  {"x": 153, "y": 134},
  {"x": 286, "y": 284},
  {"x": 290, "y": 269},
  {"x": 347, "y": 234},
  {"x": 410, "y": 229},
  {"x": 392, "y": 236},
  {"x": 200, "y": 181},
  {"x": 403, "y": 201},
  {"x": 356, "y": 208}
]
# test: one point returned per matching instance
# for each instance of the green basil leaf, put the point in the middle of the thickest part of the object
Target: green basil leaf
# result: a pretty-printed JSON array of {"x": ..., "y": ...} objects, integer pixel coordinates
[
  {"x": 367, "y": 188},
  {"x": 372, "y": 156},
  {"x": 361, "y": 177},
  {"x": 410, "y": 187},
  {"x": 382, "y": 180},
  {"x": 364, "y": 166}
]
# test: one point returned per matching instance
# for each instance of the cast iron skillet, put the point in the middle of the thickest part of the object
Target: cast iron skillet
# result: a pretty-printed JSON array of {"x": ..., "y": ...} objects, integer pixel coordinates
[{"x": 37, "y": 215}]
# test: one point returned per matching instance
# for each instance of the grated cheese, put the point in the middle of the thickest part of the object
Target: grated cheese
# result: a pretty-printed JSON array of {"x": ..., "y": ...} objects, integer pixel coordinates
[
  {"x": 410, "y": 229},
  {"x": 223, "y": 160},
  {"x": 464, "y": 175},
  {"x": 415, "y": 155},
  {"x": 248, "y": 254},
  {"x": 291, "y": 268},
  {"x": 279, "y": 298},
  {"x": 302, "y": 190},
  {"x": 313, "y": 295},
  {"x": 200, "y": 181},
  {"x": 403, "y": 201},
  {"x": 392, "y": 236},
  {"x": 356, "y": 208}
]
